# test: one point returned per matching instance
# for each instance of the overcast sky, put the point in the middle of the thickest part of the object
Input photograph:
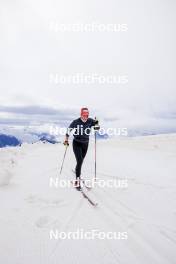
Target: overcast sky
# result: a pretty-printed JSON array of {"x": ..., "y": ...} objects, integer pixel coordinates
[{"x": 30, "y": 51}]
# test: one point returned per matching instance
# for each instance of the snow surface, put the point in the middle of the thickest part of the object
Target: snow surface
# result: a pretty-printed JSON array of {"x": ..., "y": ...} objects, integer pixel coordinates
[{"x": 146, "y": 210}]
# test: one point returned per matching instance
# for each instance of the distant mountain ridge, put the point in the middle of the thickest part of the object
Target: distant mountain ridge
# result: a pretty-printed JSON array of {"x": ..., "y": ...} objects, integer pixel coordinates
[
  {"x": 8, "y": 140},
  {"x": 11, "y": 140},
  {"x": 16, "y": 137}
]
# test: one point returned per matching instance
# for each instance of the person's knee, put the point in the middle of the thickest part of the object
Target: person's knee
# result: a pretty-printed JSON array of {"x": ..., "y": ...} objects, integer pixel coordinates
[{"x": 79, "y": 161}]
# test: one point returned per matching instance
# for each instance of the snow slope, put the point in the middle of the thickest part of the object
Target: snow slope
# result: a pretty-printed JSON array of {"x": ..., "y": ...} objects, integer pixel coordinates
[{"x": 146, "y": 210}]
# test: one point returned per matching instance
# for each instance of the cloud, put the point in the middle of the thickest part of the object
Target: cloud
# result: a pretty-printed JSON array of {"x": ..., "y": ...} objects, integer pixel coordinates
[
  {"x": 33, "y": 110},
  {"x": 28, "y": 115}
]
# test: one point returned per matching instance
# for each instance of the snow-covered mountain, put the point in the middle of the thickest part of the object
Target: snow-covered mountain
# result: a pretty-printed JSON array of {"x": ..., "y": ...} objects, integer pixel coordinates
[
  {"x": 145, "y": 209},
  {"x": 8, "y": 140},
  {"x": 35, "y": 133},
  {"x": 22, "y": 134}
]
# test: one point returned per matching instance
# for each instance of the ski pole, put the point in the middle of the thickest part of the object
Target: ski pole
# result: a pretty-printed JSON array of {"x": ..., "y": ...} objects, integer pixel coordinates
[
  {"x": 64, "y": 158},
  {"x": 95, "y": 154}
]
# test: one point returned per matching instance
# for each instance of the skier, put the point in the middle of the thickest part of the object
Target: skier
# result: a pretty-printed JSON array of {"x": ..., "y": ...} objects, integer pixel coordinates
[{"x": 82, "y": 127}]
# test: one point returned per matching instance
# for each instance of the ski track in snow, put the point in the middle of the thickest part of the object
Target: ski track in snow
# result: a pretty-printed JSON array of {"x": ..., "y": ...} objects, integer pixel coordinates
[{"x": 30, "y": 208}]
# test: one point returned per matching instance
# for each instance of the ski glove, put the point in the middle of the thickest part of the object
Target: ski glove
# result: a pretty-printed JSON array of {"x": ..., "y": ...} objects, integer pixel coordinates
[
  {"x": 96, "y": 127},
  {"x": 66, "y": 143}
]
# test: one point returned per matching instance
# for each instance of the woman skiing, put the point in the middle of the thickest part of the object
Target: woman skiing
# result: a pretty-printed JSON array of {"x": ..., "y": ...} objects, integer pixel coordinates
[{"x": 82, "y": 128}]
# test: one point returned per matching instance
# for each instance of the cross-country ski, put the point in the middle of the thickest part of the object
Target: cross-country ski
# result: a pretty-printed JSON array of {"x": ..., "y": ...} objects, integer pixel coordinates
[{"x": 86, "y": 195}]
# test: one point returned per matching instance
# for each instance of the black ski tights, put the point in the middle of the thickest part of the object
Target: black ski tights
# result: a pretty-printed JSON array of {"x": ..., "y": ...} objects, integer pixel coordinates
[{"x": 80, "y": 150}]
